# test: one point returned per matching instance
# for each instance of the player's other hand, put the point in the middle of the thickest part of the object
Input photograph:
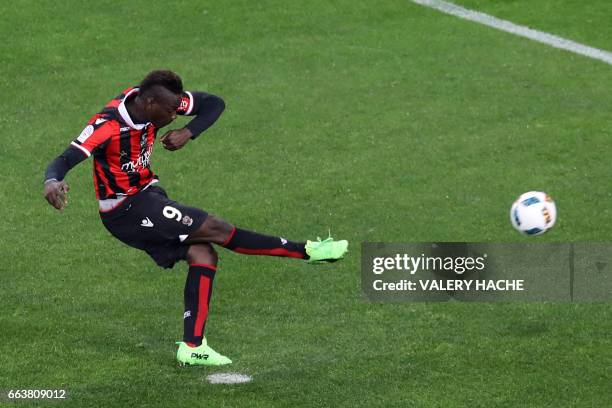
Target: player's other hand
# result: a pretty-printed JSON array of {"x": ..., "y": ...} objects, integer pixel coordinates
[
  {"x": 55, "y": 193},
  {"x": 175, "y": 139}
]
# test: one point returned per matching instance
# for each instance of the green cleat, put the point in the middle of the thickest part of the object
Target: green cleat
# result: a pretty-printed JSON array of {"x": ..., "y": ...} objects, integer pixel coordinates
[
  {"x": 201, "y": 355},
  {"x": 326, "y": 251}
]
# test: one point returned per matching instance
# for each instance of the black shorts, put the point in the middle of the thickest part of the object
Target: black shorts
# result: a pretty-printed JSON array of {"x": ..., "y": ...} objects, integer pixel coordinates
[{"x": 154, "y": 223}]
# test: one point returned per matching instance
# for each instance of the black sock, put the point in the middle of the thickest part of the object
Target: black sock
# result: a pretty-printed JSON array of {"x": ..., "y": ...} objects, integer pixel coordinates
[
  {"x": 198, "y": 290},
  {"x": 253, "y": 243}
]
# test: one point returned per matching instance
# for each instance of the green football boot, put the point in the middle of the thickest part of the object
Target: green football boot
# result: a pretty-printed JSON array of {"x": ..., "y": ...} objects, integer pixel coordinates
[
  {"x": 327, "y": 250},
  {"x": 201, "y": 355}
]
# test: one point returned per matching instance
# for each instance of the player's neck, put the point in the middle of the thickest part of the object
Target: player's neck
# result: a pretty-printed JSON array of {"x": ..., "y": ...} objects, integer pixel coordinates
[{"x": 136, "y": 110}]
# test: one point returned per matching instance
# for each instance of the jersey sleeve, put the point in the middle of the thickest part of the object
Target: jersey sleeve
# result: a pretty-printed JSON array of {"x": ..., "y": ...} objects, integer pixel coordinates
[
  {"x": 187, "y": 104},
  {"x": 95, "y": 134}
]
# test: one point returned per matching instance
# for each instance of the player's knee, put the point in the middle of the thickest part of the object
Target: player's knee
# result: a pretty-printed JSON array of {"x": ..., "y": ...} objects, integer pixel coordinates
[
  {"x": 202, "y": 254},
  {"x": 214, "y": 230},
  {"x": 218, "y": 225}
]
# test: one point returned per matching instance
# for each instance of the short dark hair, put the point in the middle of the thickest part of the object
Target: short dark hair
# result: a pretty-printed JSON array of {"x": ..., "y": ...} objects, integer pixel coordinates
[{"x": 163, "y": 78}]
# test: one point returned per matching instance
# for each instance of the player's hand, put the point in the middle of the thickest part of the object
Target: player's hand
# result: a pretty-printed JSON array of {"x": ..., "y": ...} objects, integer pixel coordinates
[
  {"x": 55, "y": 193},
  {"x": 175, "y": 139}
]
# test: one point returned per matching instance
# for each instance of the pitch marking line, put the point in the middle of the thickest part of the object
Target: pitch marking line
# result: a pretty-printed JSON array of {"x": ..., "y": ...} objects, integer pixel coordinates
[
  {"x": 228, "y": 378},
  {"x": 522, "y": 31}
]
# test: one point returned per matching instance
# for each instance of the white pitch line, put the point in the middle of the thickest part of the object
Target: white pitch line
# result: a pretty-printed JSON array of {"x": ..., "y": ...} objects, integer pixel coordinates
[
  {"x": 503, "y": 25},
  {"x": 228, "y": 378}
]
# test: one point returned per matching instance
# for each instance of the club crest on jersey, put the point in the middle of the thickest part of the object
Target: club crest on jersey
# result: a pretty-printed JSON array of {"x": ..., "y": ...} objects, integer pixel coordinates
[
  {"x": 143, "y": 142},
  {"x": 187, "y": 220},
  {"x": 184, "y": 104}
]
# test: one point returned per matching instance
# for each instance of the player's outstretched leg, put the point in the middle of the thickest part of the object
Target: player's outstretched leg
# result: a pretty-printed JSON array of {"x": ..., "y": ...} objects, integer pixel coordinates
[
  {"x": 194, "y": 350},
  {"x": 223, "y": 233}
]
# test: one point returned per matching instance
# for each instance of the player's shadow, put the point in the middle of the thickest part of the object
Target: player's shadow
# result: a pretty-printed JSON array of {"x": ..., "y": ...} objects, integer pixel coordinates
[{"x": 454, "y": 250}]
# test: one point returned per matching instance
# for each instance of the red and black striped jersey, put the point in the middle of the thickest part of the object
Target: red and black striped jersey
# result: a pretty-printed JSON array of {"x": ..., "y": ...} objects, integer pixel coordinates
[{"x": 121, "y": 149}]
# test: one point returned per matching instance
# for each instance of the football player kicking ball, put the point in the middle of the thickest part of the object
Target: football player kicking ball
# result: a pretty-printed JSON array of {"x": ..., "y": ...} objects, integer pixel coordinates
[{"x": 140, "y": 214}]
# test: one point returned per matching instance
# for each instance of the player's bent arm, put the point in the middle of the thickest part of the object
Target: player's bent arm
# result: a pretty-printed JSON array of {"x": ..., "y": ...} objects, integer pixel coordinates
[
  {"x": 207, "y": 108},
  {"x": 59, "y": 167},
  {"x": 55, "y": 187}
]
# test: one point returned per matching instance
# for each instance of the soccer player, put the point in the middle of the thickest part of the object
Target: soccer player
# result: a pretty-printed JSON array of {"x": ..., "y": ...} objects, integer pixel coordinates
[{"x": 139, "y": 213}]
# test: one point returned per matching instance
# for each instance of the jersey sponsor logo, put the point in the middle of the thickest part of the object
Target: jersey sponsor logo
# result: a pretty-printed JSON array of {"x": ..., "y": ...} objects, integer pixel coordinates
[
  {"x": 86, "y": 133},
  {"x": 124, "y": 129},
  {"x": 146, "y": 223},
  {"x": 143, "y": 161}
]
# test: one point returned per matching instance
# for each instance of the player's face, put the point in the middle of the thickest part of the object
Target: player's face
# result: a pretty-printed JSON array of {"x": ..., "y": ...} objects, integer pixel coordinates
[{"x": 162, "y": 110}]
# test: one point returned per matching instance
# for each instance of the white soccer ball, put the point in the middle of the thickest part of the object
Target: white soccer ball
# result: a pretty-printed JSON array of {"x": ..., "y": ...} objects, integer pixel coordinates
[{"x": 533, "y": 213}]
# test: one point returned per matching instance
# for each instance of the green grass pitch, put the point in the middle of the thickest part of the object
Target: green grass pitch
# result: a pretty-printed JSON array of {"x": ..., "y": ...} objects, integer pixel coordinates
[{"x": 384, "y": 121}]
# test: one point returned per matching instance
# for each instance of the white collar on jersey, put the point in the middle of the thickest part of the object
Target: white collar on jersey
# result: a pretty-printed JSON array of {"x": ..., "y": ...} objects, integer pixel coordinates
[{"x": 126, "y": 116}]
